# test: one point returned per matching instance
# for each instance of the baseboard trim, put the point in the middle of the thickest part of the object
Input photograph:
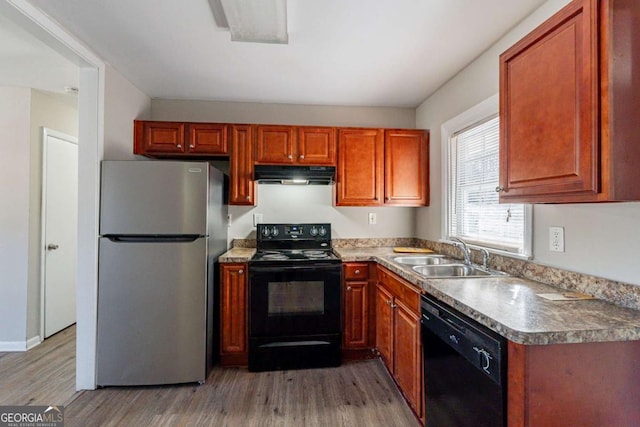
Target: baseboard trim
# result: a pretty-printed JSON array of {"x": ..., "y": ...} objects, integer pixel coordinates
[
  {"x": 13, "y": 346},
  {"x": 32, "y": 342}
]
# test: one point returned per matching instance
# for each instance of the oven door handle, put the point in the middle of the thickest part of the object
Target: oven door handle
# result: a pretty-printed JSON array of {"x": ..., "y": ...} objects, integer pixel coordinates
[{"x": 314, "y": 267}]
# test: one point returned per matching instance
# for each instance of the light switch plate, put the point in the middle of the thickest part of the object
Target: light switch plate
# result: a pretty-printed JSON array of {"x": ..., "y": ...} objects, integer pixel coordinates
[
  {"x": 372, "y": 218},
  {"x": 257, "y": 219}
]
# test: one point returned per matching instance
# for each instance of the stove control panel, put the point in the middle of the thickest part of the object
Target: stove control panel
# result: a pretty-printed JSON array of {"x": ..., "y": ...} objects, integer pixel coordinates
[{"x": 281, "y": 232}]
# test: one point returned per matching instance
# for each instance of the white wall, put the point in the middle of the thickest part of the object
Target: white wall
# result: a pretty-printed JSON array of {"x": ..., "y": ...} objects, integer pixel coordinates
[
  {"x": 15, "y": 104},
  {"x": 313, "y": 203},
  {"x": 123, "y": 103},
  {"x": 600, "y": 239},
  {"x": 280, "y": 203},
  {"x": 57, "y": 112}
]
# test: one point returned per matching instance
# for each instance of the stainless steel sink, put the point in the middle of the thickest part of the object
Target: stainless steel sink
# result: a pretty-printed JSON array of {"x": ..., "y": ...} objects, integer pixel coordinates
[
  {"x": 424, "y": 260},
  {"x": 453, "y": 270}
]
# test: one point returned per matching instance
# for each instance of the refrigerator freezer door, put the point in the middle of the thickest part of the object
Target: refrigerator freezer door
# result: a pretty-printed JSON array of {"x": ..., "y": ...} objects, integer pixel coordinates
[
  {"x": 154, "y": 197},
  {"x": 152, "y": 301}
]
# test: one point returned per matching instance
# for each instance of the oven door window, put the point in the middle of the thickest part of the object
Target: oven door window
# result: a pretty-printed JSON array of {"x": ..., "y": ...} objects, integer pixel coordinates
[
  {"x": 297, "y": 298},
  {"x": 290, "y": 302}
]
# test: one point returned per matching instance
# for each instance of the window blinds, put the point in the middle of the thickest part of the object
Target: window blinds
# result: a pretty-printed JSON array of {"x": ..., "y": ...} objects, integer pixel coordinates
[{"x": 474, "y": 213}]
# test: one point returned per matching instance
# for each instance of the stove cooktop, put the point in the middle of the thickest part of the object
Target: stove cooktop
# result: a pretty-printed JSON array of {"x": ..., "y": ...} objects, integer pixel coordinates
[{"x": 294, "y": 255}]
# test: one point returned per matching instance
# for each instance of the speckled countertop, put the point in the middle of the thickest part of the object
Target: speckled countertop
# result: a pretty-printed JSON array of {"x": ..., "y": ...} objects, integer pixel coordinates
[
  {"x": 511, "y": 305},
  {"x": 237, "y": 255},
  {"x": 508, "y": 305}
]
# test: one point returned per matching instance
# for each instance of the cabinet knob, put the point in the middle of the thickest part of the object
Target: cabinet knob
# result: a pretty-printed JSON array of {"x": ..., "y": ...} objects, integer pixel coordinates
[
  {"x": 357, "y": 271},
  {"x": 192, "y": 146},
  {"x": 499, "y": 189},
  {"x": 240, "y": 271},
  {"x": 289, "y": 156},
  {"x": 247, "y": 198},
  {"x": 178, "y": 146},
  {"x": 388, "y": 302},
  {"x": 348, "y": 288},
  {"x": 302, "y": 156}
]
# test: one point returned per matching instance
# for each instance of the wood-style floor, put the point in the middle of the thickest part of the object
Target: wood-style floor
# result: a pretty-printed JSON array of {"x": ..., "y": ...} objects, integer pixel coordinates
[{"x": 355, "y": 394}]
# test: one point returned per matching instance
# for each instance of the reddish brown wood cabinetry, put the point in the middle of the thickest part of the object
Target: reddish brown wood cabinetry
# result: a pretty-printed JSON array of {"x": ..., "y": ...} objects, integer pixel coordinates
[
  {"x": 316, "y": 145},
  {"x": 241, "y": 186},
  {"x": 275, "y": 144},
  {"x": 382, "y": 167},
  {"x": 406, "y": 167},
  {"x": 398, "y": 336},
  {"x": 357, "y": 297},
  {"x": 207, "y": 138},
  {"x": 158, "y": 138},
  {"x": 568, "y": 107},
  {"x": 586, "y": 384},
  {"x": 360, "y": 176},
  {"x": 233, "y": 314},
  {"x": 162, "y": 139},
  {"x": 295, "y": 145}
]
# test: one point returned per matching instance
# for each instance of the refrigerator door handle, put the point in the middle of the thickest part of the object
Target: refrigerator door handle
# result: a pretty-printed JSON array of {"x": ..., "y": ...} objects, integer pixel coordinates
[{"x": 155, "y": 238}]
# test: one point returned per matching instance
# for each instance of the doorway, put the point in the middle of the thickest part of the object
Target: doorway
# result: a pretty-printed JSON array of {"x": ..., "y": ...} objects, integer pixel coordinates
[{"x": 59, "y": 231}]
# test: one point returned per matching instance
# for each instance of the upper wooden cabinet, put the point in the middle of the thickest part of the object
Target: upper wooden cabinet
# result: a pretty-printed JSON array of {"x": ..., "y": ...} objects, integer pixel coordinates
[
  {"x": 382, "y": 167},
  {"x": 406, "y": 167},
  {"x": 161, "y": 139},
  {"x": 316, "y": 145},
  {"x": 295, "y": 145},
  {"x": 569, "y": 106},
  {"x": 242, "y": 189},
  {"x": 360, "y": 174}
]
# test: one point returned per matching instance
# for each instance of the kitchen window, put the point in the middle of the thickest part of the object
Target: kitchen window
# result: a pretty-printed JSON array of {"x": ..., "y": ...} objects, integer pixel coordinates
[{"x": 472, "y": 212}]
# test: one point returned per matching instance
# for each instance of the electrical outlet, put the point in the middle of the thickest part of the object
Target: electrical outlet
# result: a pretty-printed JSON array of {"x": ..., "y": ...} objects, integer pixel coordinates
[
  {"x": 372, "y": 218},
  {"x": 257, "y": 219},
  {"x": 556, "y": 239},
  {"x": 229, "y": 218}
]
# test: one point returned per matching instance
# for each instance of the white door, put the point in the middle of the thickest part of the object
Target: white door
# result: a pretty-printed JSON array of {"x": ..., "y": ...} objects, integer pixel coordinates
[{"x": 59, "y": 232}]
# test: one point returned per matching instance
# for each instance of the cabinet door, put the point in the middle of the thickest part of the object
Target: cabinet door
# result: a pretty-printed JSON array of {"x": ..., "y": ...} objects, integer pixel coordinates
[
  {"x": 407, "y": 362},
  {"x": 316, "y": 146},
  {"x": 233, "y": 310},
  {"x": 157, "y": 138},
  {"x": 360, "y": 167},
  {"x": 207, "y": 138},
  {"x": 406, "y": 168},
  {"x": 549, "y": 104},
  {"x": 242, "y": 186},
  {"x": 356, "y": 315},
  {"x": 384, "y": 325},
  {"x": 274, "y": 144}
]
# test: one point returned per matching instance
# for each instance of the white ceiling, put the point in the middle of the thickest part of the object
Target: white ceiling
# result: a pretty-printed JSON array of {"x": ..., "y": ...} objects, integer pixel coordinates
[
  {"x": 340, "y": 52},
  {"x": 25, "y": 61}
]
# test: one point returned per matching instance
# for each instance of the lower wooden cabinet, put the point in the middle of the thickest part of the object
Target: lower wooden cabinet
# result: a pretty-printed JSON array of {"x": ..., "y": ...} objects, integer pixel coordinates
[
  {"x": 398, "y": 337},
  {"x": 357, "y": 300},
  {"x": 234, "y": 324}
]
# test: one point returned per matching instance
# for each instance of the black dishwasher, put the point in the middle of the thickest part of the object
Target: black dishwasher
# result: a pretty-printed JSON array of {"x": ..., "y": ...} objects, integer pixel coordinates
[{"x": 464, "y": 369}]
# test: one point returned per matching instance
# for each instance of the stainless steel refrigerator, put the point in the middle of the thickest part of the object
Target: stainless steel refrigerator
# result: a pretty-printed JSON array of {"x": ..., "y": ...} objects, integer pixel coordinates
[{"x": 162, "y": 228}]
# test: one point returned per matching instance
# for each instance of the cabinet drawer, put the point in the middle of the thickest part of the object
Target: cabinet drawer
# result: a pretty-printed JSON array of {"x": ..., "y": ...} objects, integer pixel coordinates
[
  {"x": 356, "y": 271},
  {"x": 401, "y": 289}
]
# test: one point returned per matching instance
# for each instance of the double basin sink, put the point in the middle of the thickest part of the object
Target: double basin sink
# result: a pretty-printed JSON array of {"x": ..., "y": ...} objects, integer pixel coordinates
[{"x": 439, "y": 266}]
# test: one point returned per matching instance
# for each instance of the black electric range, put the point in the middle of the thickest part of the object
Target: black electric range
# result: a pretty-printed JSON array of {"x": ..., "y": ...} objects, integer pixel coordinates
[{"x": 294, "y": 298}]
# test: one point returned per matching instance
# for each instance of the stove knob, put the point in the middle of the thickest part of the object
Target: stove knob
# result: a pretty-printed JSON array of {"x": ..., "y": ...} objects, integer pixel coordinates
[
  {"x": 274, "y": 232},
  {"x": 313, "y": 231},
  {"x": 266, "y": 232},
  {"x": 323, "y": 231}
]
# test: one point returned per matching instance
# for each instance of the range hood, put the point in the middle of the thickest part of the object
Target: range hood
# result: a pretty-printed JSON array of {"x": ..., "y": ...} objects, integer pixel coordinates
[{"x": 278, "y": 174}]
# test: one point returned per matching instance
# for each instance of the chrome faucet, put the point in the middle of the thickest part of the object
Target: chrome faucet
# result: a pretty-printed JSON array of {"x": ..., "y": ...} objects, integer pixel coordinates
[
  {"x": 485, "y": 258},
  {"x": 459, "y": 243}
]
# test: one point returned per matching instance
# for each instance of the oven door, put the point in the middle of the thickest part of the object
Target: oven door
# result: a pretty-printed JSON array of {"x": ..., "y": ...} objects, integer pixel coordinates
[{"x": 290, "y": 300}]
